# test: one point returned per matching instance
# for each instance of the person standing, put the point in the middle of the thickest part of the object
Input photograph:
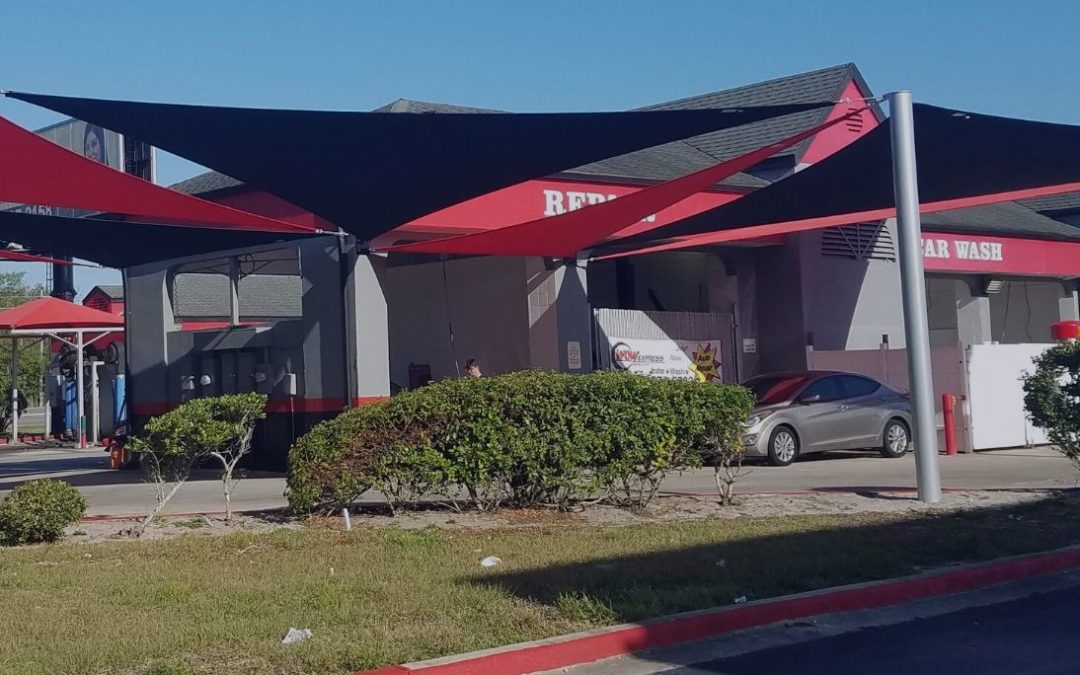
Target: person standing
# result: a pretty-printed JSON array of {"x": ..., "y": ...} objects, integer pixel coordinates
[{"x": 472, "y": 368}]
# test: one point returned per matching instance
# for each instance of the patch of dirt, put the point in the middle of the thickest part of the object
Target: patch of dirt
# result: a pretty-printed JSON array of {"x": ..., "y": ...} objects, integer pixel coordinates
[
  {"x": 93, "y": 531},
  {"x": 666, "y": 508}
]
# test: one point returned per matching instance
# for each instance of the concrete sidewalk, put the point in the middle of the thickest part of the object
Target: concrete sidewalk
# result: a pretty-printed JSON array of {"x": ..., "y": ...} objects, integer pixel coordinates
[{"x": 111, "y": 492}]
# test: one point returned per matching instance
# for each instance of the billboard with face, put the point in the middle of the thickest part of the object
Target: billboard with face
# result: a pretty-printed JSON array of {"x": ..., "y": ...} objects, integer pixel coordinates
[{"x": 88, "y": 140}]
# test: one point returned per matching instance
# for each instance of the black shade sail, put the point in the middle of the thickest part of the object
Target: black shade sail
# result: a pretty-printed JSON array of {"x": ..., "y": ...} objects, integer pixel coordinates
[
  {"x": 369, "y": 172},
  {"x": 964, "y": 159},
  {"x": 115, "y": 243}
]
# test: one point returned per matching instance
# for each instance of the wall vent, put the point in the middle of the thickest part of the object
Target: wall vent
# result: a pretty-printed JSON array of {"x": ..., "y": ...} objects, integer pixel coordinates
[{"x": 865, "y": 241}]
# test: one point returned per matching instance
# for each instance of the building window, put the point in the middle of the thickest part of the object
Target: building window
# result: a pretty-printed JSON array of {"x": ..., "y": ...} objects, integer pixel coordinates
[{"x": 270, "y": 288}]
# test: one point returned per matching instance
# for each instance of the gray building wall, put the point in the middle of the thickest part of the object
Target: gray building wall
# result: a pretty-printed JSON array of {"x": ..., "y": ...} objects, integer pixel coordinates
[
  {"x": 484, "y": 301},
  {"x": 849, "y": 303}
]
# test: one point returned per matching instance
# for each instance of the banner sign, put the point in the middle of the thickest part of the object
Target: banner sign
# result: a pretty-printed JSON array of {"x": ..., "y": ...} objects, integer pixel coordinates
[{"x": 668, "y": 358}]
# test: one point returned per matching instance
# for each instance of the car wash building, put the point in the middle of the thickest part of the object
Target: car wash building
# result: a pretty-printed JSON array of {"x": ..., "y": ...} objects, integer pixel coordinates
[
  {"x": 321, "y": 323},
  {"x": 996, "y": 275}
]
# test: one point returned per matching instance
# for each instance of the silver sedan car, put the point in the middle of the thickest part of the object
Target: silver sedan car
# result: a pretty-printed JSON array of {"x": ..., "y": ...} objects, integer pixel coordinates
[{"x": 816, "y": 411}]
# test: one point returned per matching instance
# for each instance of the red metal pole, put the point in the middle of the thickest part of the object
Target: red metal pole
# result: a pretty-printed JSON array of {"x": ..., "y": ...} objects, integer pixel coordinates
[{"x": 948, "y": 411}]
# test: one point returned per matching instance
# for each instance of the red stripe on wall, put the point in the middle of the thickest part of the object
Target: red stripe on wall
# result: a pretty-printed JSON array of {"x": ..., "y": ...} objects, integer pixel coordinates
[{"x": 275, "y": 405}]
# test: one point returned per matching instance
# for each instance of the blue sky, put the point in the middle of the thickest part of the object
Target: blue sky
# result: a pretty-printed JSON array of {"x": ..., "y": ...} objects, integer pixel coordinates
[{"x": 1007, "y": 58}]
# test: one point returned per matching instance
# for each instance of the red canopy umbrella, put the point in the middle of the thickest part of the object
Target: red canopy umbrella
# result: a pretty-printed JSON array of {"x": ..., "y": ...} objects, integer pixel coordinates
[{"x": 52, "y": 317}]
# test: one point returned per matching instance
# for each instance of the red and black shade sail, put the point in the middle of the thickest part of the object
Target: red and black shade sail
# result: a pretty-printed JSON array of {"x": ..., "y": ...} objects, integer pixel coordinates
[
  {"x": 35, "y": 170},
  {"x": 370, "y": 172},
  {"x": 122, "y": 244},
  {"x": 568, "y": 233},
  {"x": 964, "y": 159}
]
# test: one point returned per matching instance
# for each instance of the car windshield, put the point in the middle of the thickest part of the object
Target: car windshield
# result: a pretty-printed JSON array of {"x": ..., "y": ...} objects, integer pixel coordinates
[{"x": 776, "y": 389}]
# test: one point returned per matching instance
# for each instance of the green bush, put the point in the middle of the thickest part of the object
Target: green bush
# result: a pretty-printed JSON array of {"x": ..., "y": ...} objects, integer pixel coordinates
[
  {"x": 1052, "y": 397},
  {"x": 39, "y": 511},
  {"x": 215, "y": 427},
  {"x": 520, "y": 439}
]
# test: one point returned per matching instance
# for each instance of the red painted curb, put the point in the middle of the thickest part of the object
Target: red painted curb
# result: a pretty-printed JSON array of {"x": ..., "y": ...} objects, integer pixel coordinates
[{"x": 684, "y": 628}]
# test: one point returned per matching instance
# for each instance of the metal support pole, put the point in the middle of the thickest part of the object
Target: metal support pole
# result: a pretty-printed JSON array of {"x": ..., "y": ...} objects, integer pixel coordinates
[
  {"x": 234, "y": 291},
  {"x": 14, "y": 390},
  {"x": 79, "y": 391},
  {"x": 913, "y": 289},
  {"x": 95, "y": 402}
]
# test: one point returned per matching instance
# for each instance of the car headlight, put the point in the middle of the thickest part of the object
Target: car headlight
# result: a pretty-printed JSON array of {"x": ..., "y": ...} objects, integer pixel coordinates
[{"x": 757, "y": 418}]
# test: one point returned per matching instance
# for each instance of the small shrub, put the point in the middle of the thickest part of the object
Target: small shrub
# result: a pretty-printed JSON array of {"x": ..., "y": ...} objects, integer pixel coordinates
[
  {"x": 39, "y": 511},
  {"x": 1052, "y": 397},
  {"x": 218, "y": 427}
]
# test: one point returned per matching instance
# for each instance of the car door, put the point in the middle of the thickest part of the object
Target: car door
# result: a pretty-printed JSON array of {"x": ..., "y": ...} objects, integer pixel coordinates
[
  {"x": 818, "y": 415},
  {"x": 862, "y": 411}
]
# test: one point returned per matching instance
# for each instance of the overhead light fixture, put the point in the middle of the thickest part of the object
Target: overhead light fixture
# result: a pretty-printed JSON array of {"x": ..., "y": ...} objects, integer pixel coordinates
[{"x": 993, "y": 286}]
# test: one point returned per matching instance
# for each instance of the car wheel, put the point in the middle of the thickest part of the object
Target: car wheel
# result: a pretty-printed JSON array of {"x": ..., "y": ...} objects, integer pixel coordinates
[
  {"x": 897, "y": 439},
  {"x": 783, "y": 446}
]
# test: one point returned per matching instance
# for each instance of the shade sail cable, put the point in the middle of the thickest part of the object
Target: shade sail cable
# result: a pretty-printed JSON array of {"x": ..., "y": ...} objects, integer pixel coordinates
[{"x": 369, "y": 172}]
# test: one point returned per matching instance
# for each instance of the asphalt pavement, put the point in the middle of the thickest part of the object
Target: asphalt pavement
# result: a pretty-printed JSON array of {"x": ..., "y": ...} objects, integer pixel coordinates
[{"x": 1027, "y": 627}]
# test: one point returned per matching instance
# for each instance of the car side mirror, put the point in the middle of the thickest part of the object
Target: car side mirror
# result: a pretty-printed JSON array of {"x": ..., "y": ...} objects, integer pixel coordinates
[{"x": 807, "y": 400}]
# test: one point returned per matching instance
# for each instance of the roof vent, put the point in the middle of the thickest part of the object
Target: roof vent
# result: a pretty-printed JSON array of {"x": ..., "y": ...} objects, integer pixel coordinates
[{"x": 854, "y": 124}]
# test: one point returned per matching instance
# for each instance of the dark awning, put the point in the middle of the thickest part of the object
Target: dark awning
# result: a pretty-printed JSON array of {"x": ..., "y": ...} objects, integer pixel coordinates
[
  {"x": 371, "y": 172},
  {"x": 122, "y": 244},
  {"x": 964, "y": 159}
]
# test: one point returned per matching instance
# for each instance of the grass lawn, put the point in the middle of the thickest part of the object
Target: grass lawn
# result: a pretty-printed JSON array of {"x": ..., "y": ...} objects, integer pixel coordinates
[{"x": 221, "y": 604}]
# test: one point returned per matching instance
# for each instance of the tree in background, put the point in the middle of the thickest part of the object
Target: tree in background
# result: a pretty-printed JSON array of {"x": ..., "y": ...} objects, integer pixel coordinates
[{"x": 33, "y": 358}]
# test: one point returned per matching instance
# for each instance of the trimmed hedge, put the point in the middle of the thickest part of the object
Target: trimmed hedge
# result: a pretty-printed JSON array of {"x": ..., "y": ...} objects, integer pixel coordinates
[
  {"x": 520, "y": 439},
  {"x": 39, "y": 511}
]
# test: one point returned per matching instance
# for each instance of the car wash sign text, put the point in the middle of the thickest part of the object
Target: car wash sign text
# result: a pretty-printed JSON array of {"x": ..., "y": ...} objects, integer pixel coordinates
[{"x": 1003, "y": 255}]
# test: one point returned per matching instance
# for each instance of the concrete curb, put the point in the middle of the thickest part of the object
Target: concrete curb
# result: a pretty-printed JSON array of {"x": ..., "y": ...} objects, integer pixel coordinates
[{"x": 580, "y": 648}]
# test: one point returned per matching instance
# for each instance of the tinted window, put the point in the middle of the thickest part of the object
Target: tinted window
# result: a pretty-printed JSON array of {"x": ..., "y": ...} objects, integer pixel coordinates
[
  {"x": 828, "y": 388},
  {"x": 771, "y": 389},
  {"x": 855, "y": 386}
]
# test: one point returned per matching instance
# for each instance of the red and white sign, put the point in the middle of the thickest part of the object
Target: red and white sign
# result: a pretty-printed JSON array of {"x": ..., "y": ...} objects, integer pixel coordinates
[{"x": 1001, "y": 255}]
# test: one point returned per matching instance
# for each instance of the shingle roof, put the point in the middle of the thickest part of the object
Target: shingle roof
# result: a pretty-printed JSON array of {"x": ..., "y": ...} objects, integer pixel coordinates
[
  {"x": 262, "y": 296},
  {"x": 406, "y": 105},
  {"x": 656, "y": 163},
  {"x": 1070, "y": 201},
  {"x": 205, "y": 183},
  {"x": 1007, "y": 219},
  {"x": 113, "y": 292},
  {"x": 668, "y": 161}
]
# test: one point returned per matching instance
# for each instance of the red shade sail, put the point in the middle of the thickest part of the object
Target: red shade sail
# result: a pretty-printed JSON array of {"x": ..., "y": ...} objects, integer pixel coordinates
[
  {"x": 567, "y": 233},
  {"x": 19, "y": 256},
  {"x": 37, "y": 171},
  {"x": 56, "y": 315}
]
